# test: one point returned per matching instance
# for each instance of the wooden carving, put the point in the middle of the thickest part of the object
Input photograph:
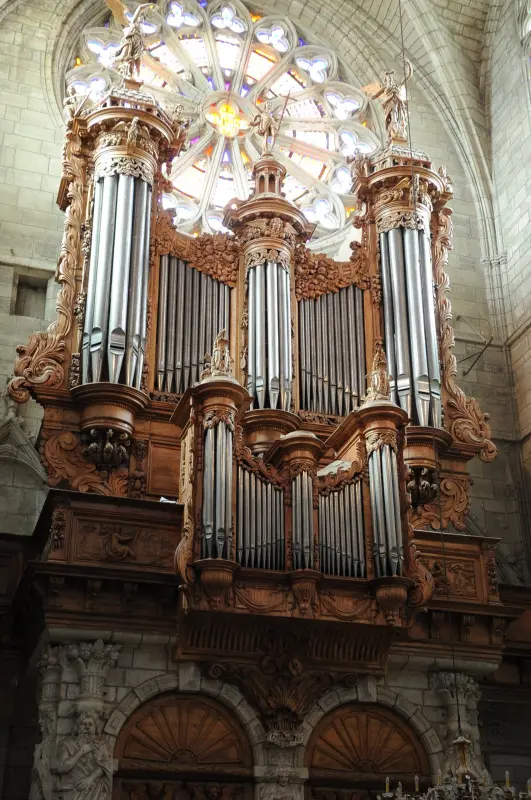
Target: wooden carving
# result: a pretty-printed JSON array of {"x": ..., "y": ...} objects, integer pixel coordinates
[
  {"x": 216, "y": 254},
  {"x": 417, "y": 571},
  {"x": 184, "y": 790},
  {"x": 454, "y": 578},
  {"x": 451, "y": 506},
  {"x": 317, "y": 274},
  {"x": 464, "y": 419},
  {"x": 186, "y": 731},
  {"x": 134, "y": 544},
  {"x": 367, "y": 740},
  {"x": 40, "y": 363},
  {"x": 62, "y": 456}
]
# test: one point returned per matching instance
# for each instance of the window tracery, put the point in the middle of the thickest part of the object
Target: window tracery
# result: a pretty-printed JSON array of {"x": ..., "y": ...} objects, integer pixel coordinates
[{"x": 220, "y": 60}]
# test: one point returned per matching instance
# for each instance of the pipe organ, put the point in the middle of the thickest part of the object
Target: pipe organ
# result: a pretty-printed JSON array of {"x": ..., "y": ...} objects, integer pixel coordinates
[{"x": 314, "y": 361}]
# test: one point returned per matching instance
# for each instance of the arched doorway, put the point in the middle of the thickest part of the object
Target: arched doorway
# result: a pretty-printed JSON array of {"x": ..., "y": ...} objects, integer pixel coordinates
[
  {"x": 183, "y": 747},
  {"x": 354, "y": 748}
]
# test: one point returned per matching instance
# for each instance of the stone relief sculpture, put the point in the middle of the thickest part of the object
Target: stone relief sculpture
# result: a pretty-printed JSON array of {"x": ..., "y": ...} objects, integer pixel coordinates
[
  {"x": 83, "y": 763},
  {"x": 41, "y": 778}
]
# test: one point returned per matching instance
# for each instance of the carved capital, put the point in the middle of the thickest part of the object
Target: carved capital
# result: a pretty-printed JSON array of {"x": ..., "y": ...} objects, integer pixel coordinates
[
  {"x": 455, "y": 687},
  {"x": 92, "y": 661}
]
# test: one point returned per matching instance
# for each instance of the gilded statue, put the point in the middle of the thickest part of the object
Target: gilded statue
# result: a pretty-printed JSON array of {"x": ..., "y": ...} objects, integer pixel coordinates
[
  {"x": 267, "y": 125},
  {"x": 84, "y": 764},
  {"x": 393, "y": 98},
  {"x": 129, "y": 54}
]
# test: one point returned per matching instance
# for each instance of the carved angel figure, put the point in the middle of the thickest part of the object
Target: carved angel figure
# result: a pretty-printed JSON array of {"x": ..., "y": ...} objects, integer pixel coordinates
[
  {"x": 128, "y": 55},
  {"x": 267, "y": 126},
  {"x": 83, "y": 762},
  {"x": 392, "y": 95}
]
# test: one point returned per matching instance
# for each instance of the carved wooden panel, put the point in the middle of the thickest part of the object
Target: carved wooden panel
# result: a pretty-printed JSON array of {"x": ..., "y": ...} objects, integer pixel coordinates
[
  {"x": 133, "y": 544},
  {"x": 366, "y": 742},
  {"x": 186, "y": 734}
]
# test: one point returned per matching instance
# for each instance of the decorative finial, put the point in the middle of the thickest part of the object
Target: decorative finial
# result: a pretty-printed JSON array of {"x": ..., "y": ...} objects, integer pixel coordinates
[
  {"x": 129, "y": 54},
  {"x": 393, "y": 98},
  {"x": 220, "y": 365},
  {"x": 267, "y": 126},
  {"x": 380, "y": 388}
]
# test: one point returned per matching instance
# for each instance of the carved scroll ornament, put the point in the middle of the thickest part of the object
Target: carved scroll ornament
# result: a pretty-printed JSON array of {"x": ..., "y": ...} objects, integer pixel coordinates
[
  {"x": 415, "y": 569},
  {"x": 317, "y": 273},
  {"x": 216, "y": 254},
  {"x": 62, "y": 456},
  {"x": 40, "y": 363},
  {"x": 464, "y": 419},
  {"x": 452, "y": 505}
]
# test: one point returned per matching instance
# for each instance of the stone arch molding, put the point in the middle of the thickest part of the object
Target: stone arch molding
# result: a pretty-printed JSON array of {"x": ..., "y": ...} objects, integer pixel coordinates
[
  {"x": 189, "y": 681},
  {"x": 367, "y": 692}
]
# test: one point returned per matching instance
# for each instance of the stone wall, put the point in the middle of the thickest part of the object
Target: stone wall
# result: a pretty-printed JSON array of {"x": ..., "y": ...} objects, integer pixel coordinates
[
  {"x": 114, "y": 678},
  {"x": 510, "y": 113}
]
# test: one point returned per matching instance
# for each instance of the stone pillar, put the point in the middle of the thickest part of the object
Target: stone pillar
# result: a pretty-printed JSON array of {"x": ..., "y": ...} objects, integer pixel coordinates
[
  {"x": 72, "y": 761},
  {"x": 281, "y": 780},
  {"x": 460, "y": 694}
]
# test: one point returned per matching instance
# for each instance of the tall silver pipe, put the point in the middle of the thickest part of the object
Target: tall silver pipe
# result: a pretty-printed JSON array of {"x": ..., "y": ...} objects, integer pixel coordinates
[
  {"x": 247, "y": 517},
  {"x": 162, "y": 321},
  {"x": 353, "y": 349},
  {"x": 228, "y": 491},
  {"x": 144, "y": 293},
  {"x": 419, "y": 361},
  {"x": 180, "y": 301},
  {"x": 302, "y": 353},
  {"x": 251, "y": 338},
  {"x": 136, "y": 282},
  {"x": 400, "y": 310},
  {"x": 259, "y": 529},
  {"x": 187, "y": 321},
  {"x": 309, "y": 355},
  {"x": 322, "y": 535},
  {"x": 388, "y": 313},
  {"x": 287, "y": 360},
  {"x": 361, "y": 532},
  {"x": 432, "y": 349},
  {"x": 295, "y": 522},
  {"x": 209, "y": 341},
  {"x": 240, "y": 532},
  {"x": 196, "y": 305},
  {"x": 226, "y": 290},
  {"x": 325, "y": 333},
  {"x": 220, "y": 484},
  {"x": 308, "y": 519},
  {"x": 260, "y": 333},
  {"x": 100, "y": 320},
  {"x": 273, "y": 355},
  {"x": 376, "y": 509},
  {"x": 344, "y": 323},
  {"x": 398, "y": 518},
  {"x": 121, "y": 264},
  {"x": 360, "y": 343},
  {"x": 390, "y": 511},
  {"x": 172, "y": 312},
  {"x": 92, "y": 280},
  {"x": 202, "y": 346},
  {"x": 354, "y": 536},
  {"x": 208, "y": 494},
  {"x": 332, "y": 386},
  {"x": 253, "y": 522},
  {"x": 283, "y": 332}
]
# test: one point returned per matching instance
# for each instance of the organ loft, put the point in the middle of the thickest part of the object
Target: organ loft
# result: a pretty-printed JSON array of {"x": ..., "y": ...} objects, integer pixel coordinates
[{"x": 258, "y": 460}]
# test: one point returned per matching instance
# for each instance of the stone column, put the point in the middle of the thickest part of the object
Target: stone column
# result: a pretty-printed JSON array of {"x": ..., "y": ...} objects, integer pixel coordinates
[
  {"x": 73, "y": 765},
  {"x": 281, "y": 780},
  {"x": 460, "y": 694}
]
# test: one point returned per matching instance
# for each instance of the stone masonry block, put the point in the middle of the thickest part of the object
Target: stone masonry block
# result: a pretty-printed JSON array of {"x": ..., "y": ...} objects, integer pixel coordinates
[
  {"x": 115, "y": 722},
  {"x": 189, "y": 677},
  {"x": 147, "y": 689}
]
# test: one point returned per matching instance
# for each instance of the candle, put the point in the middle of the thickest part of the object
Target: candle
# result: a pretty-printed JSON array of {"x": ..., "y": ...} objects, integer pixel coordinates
[
  {"x": 507, "y": 780},
  {"x": 387, "y": 785},
  {"x": 439, "y": 777},
  {"x": 416, "y": 784}
]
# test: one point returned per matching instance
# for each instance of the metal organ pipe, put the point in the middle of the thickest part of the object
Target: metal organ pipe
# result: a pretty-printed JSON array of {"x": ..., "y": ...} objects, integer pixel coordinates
[
  {"x": 217, "y": 492},
  {"x": 193, "y": 309},
  {"x": 302, "y": 521},
  {"x": 385, "y": 510},
  {"x": 260, "y": 514},
  {"x": 341, "y": 533},
  {"x": 269, "y": 354},
  {"x": 116, "y": 310},
  {"x": 332, "y": 352},
  {"x": 410, "y": 330}
]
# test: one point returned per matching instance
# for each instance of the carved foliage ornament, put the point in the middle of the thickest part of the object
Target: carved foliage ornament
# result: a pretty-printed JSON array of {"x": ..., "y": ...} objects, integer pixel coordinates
[
  {"x": 263, "y": 254},
  {"x": 451, "y": 506},
  {"x": 216, "y": 254},
  {"x": 40, "y": 363},
  {"x": 62, "y": 456},
  {"x": 464, "y": 418},
  {"x": 317, "y": 274}
]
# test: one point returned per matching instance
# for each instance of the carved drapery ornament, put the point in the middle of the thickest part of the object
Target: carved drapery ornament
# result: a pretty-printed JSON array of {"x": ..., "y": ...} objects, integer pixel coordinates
[
  {"x": 317, "y": 273},
  {"x": 40, "y": 362},
  {"x": 216, "y": 254},
  {"x": 464, "y": 419}
]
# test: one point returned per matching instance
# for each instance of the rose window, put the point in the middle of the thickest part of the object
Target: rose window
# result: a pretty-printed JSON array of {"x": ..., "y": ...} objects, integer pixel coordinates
[{"x": 221, "y": 61}]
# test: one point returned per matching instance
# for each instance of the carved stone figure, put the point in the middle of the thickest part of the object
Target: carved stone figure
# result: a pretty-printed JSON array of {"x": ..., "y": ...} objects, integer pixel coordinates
[
  {"x": 41, "y": 777},
  {"x": 84, "y": 764},
  {"x": 392, "y": 95},
  {"x": 129, "y": 54}
]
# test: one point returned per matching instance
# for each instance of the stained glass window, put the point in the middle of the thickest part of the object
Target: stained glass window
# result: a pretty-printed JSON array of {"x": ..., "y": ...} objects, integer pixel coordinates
[{"x": 220, "y": 60}]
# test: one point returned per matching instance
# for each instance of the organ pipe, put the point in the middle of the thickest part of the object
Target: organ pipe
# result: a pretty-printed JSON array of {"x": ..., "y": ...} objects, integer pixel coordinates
[
  {"x": 217, "y": 491},
  {"x": 193, "y": 308},
  {"x": 260, "y": 514},
  {"x": 385, "y": 511},
  {"x": 332, "y": 352}
]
